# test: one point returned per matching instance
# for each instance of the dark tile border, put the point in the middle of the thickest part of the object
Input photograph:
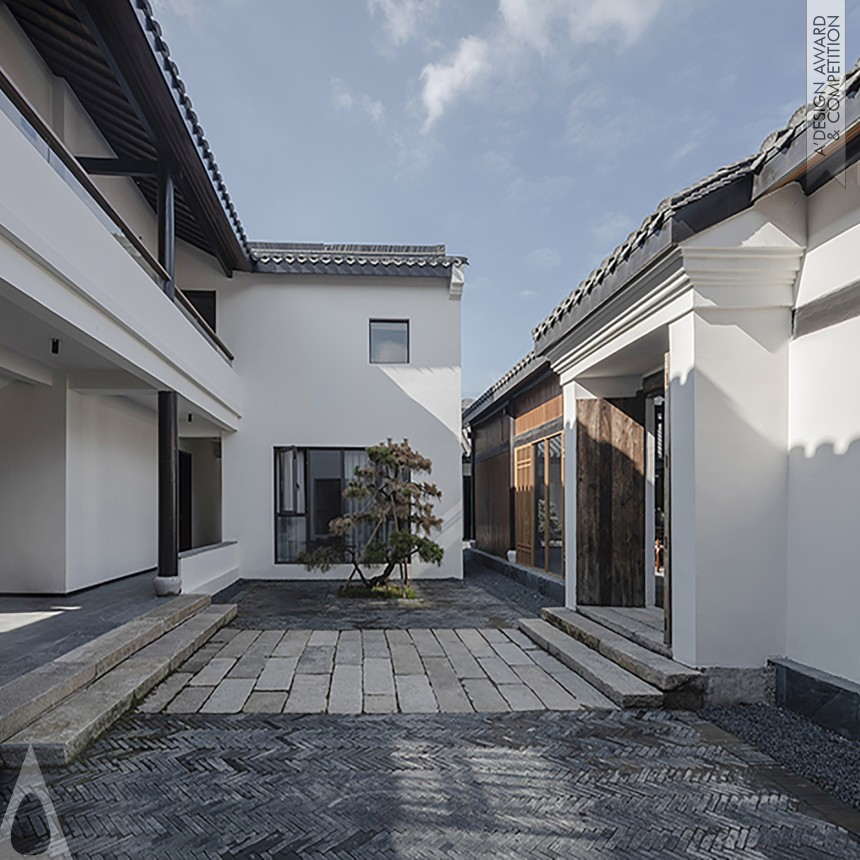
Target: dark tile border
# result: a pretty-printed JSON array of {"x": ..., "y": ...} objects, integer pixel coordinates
[
  {"x": 817, "y": 801},
  {"x": 535, "y": 580},
  {"x": 825, "y": 699}
]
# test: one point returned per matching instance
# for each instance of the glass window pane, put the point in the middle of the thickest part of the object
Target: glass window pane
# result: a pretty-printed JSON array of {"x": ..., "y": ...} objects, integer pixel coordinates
[
  {"x": 286, "y": 481},
  {"x": 351, "y": 461},
  {"x": 300, "y": 482},
  {"x": 389, "y": 341},
  {"x": 289, "y": 538},
  {"x": 324, "y": 491},
  {"x": 555, "y": 560}
]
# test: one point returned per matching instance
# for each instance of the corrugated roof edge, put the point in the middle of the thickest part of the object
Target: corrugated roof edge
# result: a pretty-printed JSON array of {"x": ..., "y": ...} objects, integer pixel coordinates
[
  {"x": 653, "y": 223},
  {"x": 194, "y": 127},
  {"x": 331, "y": 257},
  {"x": 524, "y": 368}
]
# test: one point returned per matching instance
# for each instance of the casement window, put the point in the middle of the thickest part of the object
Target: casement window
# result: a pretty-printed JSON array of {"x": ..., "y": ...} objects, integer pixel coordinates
[
  {"x": 389, "y": 341},
  {"x": 309, "y": 486}
]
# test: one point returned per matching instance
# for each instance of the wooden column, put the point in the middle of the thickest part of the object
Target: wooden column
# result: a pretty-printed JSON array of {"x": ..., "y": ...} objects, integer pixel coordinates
[{"x": 168, "y": 427}]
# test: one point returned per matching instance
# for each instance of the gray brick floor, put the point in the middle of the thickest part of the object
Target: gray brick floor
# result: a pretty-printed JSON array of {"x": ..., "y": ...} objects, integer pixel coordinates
[
  {"x": 372, "y": 671},
  {"x": 543, "y": 785},
  {"x": 473, "y": 602},
  {"x": 526, "y": 777}
]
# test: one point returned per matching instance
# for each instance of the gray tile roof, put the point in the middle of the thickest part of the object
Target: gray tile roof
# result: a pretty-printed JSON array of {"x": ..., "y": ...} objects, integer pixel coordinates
[
  {"x": 171, "y": 71},
  {"x": 320, "y": 258},
  {"x": 524, "y": 368},
  {"x": 774, "y": 143}
]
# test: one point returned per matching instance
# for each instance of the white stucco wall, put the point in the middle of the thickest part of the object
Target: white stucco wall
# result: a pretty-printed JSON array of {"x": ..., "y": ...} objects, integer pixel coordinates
[
  {"x": 32, "y": 482},
  {"x": 728, "y": 407},
  {"x": 824, "y": 445},
  {"x": 111, "y": 489},
  {"x": 301, "y": 347}
]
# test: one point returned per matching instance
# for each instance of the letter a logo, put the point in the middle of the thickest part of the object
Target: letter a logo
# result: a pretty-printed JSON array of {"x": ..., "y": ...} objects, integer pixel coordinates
[{"x": 30, "y": 781}]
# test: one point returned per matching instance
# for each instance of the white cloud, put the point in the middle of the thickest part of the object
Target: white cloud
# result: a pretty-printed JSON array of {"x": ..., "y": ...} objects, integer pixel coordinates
[
  {"x": 543, "y": 259},
  {"x": 403, "y": 19},
  {"x": 443, "y": 83},
  {"x": 343, "y": 99},
  {"x": 548, "y": 28}
]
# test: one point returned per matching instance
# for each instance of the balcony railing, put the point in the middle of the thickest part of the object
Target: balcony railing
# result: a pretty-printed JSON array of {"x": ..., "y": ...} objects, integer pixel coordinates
[{"x": 45, "y": 141}]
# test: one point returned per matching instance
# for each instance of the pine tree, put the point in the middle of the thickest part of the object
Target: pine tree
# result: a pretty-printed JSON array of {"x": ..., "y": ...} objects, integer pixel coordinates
[{"x": 394, "y": 521}]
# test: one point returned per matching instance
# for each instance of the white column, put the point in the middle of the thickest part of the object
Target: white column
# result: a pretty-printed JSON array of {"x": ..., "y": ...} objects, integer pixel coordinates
[{"x": 727, "y": 425}]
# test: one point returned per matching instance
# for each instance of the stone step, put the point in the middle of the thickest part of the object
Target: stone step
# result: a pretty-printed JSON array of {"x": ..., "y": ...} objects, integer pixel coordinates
[
  {"x": 616, "y": 683},
  {"x": 26, "y": 698},
  {"x": 655, "y": 669},
  {"x": 630, "y": 628},
  {"x": 60, "y": 734}
]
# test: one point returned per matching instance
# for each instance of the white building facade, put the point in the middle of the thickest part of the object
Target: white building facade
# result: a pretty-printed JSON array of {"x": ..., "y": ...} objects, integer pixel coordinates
[
  {"x": 154, "y": 364},
  {"x": 710, "y": 371}
]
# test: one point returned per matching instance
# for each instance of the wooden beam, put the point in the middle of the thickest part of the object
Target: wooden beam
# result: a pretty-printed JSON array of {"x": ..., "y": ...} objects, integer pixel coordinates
[{"x": 119, "y": 166}]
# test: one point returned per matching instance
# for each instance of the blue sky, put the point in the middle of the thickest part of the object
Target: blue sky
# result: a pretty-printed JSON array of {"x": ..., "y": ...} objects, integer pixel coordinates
[{"x": 530, "y": 135}]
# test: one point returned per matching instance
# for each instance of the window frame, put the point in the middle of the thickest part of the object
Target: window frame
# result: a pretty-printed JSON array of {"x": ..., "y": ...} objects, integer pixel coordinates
[
  {"x": 277, "y": 479},
  {"x": 406, "y": 322}
]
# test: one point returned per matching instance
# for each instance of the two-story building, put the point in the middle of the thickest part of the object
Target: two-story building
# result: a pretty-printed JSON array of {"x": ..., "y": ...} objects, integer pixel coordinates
[{"x": 172, "y": 395}]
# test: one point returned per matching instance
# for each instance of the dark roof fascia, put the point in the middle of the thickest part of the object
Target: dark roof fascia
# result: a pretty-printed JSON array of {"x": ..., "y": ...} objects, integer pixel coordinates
[
  {"x": 132, "y": 38},
  {"x": 429, "y": 261},
  {"x": 359, "y": 269},
  {"x": 524, "y": 375},
  {"x": 789, "y": 163},
  {"x": 686, "y": 221}
]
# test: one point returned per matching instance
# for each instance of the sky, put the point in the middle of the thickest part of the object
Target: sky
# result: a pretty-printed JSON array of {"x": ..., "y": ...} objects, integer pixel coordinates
[{"x": 531, "y": 136}]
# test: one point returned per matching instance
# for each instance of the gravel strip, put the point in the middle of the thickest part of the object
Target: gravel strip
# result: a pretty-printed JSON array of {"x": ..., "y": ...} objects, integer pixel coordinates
[
  {"x": 528, "y": 601},
  {"x": 823, "y": 757}
]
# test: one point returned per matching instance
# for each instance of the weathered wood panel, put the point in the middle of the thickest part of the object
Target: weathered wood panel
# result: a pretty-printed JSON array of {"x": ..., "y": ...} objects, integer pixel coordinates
[
  {"x": 524, "y": 505},
  {"x": 544, "y": 413},
  {"x": 492, "y": 492},
  {"x": 610, "y": 501},
  {"x": 491, "y": 433}
]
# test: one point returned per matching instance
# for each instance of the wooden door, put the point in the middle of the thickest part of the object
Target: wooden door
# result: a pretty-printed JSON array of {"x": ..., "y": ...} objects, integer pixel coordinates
[
  {"x": 524, "y": 503},
  {"x": 610, "y": 502}
]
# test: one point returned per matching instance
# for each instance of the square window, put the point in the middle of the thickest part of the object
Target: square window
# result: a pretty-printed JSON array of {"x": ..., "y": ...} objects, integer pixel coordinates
[{"x": 389, "y": 341}]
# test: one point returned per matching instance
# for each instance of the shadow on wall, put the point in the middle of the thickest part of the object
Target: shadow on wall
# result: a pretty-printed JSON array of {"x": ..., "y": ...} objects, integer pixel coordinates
[{"x": 824, "y": 558}]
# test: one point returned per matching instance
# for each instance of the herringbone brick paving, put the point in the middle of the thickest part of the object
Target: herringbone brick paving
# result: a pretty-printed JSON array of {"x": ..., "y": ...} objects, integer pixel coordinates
[{"x": 550, "y": 785}]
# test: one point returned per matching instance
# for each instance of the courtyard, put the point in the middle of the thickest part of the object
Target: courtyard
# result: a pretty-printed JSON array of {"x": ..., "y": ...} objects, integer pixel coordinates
[{"x": 314, "y": 726}]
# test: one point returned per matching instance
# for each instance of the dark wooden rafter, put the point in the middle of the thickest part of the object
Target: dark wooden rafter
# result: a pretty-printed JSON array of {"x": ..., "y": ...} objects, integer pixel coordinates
[
  {"x": 119, "y": 31},
  {"x": 119, "y": 166},
  {"x": 102, "y": 49}
]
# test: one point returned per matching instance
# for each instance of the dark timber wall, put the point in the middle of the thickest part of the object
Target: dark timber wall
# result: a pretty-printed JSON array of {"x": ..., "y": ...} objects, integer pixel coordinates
[
  {"x": 610, "y": 502},
  {"x": 491, "y": 484}
]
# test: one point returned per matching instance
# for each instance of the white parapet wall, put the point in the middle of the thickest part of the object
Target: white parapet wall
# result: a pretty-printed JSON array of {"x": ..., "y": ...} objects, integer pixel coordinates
[{"x": 209, "y": 569}]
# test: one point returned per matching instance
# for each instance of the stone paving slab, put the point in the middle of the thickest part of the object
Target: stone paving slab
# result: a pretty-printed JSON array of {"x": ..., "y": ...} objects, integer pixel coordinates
[
  {"x": 414, "y": 695},
  {"x": 277, "y": 674},
  {"x": 229, "y": 696},
  {"x": 308, "y": 695},
  {"x": 543, "y": 785},
  {"x": 375, "y": 672},
  {"x": 260, "y": 702},
  {"x": 345, "y": 693}
]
